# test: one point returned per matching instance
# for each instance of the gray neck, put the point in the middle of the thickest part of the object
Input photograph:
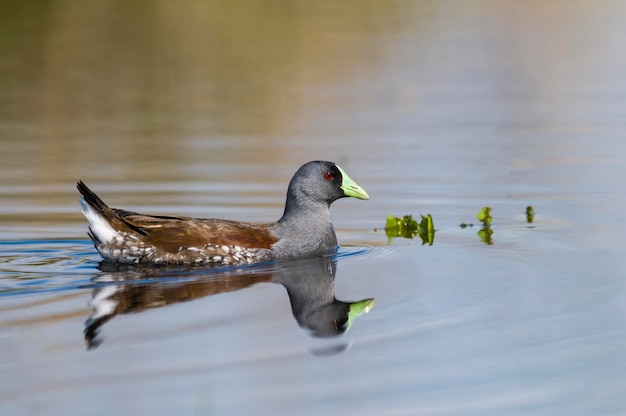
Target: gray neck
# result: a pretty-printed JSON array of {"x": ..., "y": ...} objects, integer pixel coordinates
[{"x": 304, "y": 228}]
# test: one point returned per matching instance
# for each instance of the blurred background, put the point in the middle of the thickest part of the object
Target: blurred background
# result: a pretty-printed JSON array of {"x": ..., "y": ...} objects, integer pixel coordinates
[
  {"x": 247, "y": 91},
  {"x": 207, "y": 108}
]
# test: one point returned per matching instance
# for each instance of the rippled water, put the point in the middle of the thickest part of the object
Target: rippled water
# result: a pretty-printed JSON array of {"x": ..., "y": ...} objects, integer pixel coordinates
[{"x": 207, "y": 108}]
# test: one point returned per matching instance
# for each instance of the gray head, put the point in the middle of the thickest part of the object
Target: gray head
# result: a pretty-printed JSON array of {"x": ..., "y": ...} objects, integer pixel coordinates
[
  {"x": 321, "y": 183},
  {"x": 306, "y": 227}
]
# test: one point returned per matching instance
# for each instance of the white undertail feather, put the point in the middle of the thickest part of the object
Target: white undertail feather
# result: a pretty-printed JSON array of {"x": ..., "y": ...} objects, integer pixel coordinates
[{"x": 98, "y": 225}]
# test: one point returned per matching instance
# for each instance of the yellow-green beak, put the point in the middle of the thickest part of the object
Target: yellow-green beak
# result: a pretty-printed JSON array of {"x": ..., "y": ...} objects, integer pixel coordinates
[
  {"x": 357, "y": 309},
  {"x": 351, "y": 188}
]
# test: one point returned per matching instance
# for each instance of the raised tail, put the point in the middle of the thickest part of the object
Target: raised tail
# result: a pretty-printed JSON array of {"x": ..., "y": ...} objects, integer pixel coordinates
[
  {"x": 98, "y": 214},
  {"x": 92, "y": 199}
]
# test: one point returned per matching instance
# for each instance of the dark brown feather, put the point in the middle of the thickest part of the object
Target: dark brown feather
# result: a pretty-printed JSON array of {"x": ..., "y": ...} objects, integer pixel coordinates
[{"x": 170, "y": 234}]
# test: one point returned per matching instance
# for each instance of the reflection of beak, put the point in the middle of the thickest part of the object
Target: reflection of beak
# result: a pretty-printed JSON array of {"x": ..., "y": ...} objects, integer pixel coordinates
[
  {"x": 357, "y": 309},
  {"x": 351, "y": 188}
]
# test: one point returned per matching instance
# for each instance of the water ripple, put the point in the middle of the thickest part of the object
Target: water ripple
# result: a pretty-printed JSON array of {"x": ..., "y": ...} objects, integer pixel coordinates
[
  {"x": 42, "y": 266},
  {"x": 45, "y": 265},
  {"x": 349, "y": 254}
]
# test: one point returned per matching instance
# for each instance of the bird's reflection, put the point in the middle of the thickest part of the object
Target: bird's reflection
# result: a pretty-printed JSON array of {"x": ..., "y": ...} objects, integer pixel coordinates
[{"x": 309, "y": 283}]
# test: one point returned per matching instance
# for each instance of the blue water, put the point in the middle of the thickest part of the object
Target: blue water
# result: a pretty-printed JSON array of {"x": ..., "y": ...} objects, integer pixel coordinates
[{"x": 531, "y": 324}]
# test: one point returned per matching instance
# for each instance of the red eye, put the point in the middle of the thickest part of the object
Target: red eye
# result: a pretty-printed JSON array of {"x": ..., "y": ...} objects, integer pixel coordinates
[{"x": 328, "y": 176}]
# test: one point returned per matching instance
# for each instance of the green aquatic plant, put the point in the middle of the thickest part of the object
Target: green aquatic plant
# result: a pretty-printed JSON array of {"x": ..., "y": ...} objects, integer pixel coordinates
[
  {"x": 530, "y": 214},
  {"x": 485, "y": 233},
  {"x": 408, "y": 227},
  {"x": 484, "y": 216},
  {"x": 405, "y": 227}
]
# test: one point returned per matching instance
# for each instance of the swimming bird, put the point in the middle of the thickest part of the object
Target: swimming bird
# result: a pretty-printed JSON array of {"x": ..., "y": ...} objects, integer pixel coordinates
[{"x": 304, "y": 229}]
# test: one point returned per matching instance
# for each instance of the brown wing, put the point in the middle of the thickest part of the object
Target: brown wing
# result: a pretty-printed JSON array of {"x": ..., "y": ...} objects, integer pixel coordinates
[{"x": 171, "y": 233}]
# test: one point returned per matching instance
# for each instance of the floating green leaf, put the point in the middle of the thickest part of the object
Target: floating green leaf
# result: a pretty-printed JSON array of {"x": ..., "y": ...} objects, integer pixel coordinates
[
  {"x": 530, "y": 214},
  {"x": 427, "y": 230},
  {"x": 484, "y": 216},
  {"x": 485, "y": 233},
  {"x": 408, "y": 227},
  {"x": 401, "y": 227}
]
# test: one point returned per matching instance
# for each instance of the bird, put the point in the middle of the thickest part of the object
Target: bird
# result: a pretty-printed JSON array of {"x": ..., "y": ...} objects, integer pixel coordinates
[{"x": 305, "y": 228}]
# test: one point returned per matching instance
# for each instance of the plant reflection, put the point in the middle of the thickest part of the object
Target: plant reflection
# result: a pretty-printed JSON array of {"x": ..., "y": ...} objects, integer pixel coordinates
[{"x": 309, "y": 284}]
